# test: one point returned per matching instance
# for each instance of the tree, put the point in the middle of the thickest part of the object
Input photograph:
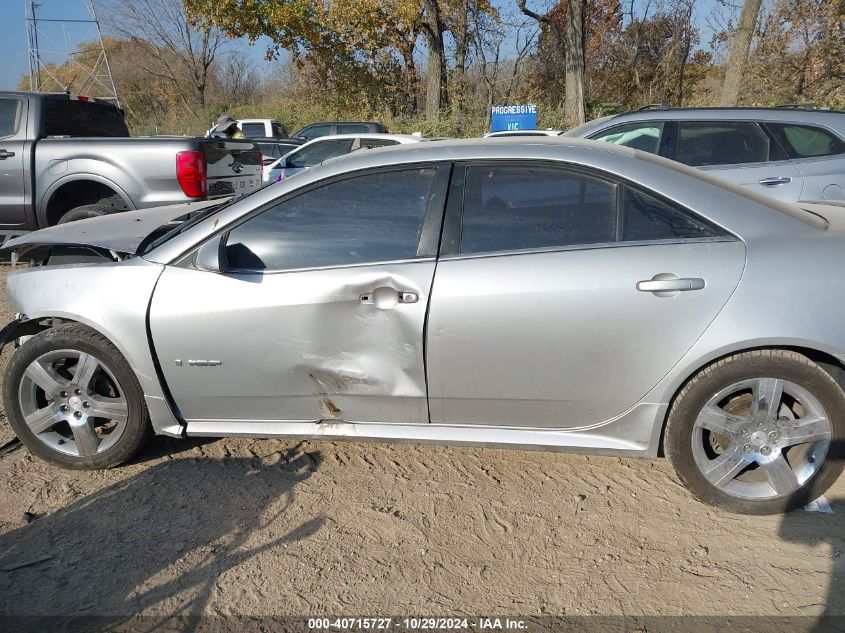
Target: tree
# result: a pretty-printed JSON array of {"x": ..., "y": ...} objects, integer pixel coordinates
[
  {"x": 740, "y": 49},
  {"x": 178, "y": 51},
  {"x": 568, "y": 36}
]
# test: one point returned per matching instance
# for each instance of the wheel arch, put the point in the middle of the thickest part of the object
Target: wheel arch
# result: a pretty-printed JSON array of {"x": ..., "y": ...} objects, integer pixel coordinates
[
  {"x": 77, "y": 190},
  {"x": 825, "y": 358}
]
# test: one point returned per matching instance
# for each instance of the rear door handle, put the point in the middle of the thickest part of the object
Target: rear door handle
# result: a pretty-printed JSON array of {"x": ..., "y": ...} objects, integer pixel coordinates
[
  {"x": 668, "y": 284},
  {"x": 5, "y": 154},
  {"x": 775, "y": 180},
  {"x": 385, "y": 298}
]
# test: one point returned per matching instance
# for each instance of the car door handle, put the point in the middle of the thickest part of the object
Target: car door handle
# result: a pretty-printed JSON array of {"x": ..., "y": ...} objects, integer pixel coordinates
[
  {"x": 668, "y": 285},
  {"x": 5, "y": 154},
  {"x": 775, "y": 180},
  {"x": 385, "y": 298}
]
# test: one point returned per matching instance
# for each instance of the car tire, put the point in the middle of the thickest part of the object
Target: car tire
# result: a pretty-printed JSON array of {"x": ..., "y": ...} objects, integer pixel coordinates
[
  {"x": 88, "y": 211},
  {"x": 63, "y": 427},
  {"x": 712, "y": 431}
]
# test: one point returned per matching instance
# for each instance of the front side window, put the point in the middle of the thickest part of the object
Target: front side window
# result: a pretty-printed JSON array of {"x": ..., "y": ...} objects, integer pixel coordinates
[
  {"x": 644, "y": 136},
  {"x": 315, "y": 131},
  {"x": 702, "y": 143},
  {"x": 806, "y": 141},
  {"x": 10, "y": 116},
  {"x": 318, "y": 152},
  {"x": 338, "y": 223},
  {"x": 514, "y": 207}
]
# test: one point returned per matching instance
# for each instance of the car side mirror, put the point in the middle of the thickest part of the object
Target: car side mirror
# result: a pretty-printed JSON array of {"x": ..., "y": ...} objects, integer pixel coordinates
[{"x": 209, "y": 256}]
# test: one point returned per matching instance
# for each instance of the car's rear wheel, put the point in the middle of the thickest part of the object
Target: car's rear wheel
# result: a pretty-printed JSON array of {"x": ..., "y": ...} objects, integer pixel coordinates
[
  {"x": 73, "y": 400},
  {"x": 759, "y": 432}
]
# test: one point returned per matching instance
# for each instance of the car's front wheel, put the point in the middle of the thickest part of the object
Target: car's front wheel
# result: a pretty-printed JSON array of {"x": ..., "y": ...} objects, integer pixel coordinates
[
  {"x": 73, "y": 400},
  {"x": 759, "y": 432}
]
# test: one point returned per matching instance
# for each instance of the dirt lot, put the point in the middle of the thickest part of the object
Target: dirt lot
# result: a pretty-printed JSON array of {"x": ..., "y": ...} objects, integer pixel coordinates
[{"x": 262, "y": 527}]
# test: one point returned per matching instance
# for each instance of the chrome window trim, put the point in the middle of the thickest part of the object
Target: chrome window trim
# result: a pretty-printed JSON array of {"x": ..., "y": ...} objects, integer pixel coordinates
[{"x": 277, "y": 271}]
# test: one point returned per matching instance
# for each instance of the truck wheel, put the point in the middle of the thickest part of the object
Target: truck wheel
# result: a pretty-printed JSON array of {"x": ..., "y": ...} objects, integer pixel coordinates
[
  {"x": 73, "y": 400},
  {"x": 88, "y": 211}
]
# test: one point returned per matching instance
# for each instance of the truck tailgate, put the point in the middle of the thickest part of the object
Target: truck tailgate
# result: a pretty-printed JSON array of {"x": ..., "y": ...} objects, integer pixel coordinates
[{"x": 233, "y": 167}]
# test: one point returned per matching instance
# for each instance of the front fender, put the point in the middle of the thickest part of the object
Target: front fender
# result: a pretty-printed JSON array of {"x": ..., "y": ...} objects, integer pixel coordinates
[{"x": 112, "y": 298}]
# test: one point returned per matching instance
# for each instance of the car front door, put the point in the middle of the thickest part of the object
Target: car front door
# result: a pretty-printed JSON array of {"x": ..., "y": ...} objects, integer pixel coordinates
[
  {"x": 562, "y": 311},
  {"x": 13, "y": 146},
  {"x": 740, "y": 152},
  {"x": 319, "y": 312}
]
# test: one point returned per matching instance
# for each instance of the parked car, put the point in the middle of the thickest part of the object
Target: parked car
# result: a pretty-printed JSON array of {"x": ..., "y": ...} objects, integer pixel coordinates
[
  {"x": 64, "y": 158},
  {"x": 787, "y": 153},
  {"x": 274, "y": 148},
  {"x": 623, "y": 318},
  {"x": 510, "y": 133},
  {"x": 262, "y": 128},
  {"x": 326, "y": 128},
  {"x": 326, "y": 147}
]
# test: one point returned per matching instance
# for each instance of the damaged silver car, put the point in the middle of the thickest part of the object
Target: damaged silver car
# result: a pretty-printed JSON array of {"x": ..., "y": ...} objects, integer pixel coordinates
[{"x": 546, "y": 294}]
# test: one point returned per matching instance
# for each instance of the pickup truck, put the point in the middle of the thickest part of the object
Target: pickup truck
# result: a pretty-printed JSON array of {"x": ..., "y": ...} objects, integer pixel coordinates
[{"x": 65, "y": 157}]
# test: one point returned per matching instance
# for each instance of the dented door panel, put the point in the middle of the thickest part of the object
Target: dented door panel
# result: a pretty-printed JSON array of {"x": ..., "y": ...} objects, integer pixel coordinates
[{"x": 329, "y": 344}]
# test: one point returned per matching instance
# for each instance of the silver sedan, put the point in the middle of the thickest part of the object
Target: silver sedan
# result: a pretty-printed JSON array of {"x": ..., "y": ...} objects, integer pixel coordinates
[{"x": 552, "y": 294}]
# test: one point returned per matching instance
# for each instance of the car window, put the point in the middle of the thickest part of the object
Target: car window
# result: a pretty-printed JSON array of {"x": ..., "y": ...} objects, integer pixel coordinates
[
  {"x": 314, "y": 131},
  {"x": 512, "y": 207},
  {"x": 278, "y": 129},
  {"x": 68, "y": 117},
  {"x": 644, "y": 136},
  {"x": 10, "y": 116},
  {"x": 269, "y": 150},
  {"x": 645, "y": 217},
  {"x": 702, "y": 143},
  {"x": 806, "y": 141},
  {"x": 337, "y": 224},
  {"x": 369, "y": 143},
  {"x": 353, "y": 128},
  {"x": 253, "y": 130},
  {"x": 318, "y": 152}
]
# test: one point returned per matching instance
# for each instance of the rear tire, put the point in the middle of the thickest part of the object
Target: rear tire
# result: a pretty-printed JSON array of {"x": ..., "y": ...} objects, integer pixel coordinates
[
  {"x": 88, "y": 417},
  {"x": 759, "y": 432}
]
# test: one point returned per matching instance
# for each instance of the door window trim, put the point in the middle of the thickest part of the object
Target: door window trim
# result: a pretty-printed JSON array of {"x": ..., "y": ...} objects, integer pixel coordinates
[
  {"x": 452, "y": 223},
  {"x": 429, "y": 234}
]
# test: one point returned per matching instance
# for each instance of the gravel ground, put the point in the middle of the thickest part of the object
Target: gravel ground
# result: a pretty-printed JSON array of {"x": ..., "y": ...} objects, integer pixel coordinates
[{"x": 265, "y": 527}]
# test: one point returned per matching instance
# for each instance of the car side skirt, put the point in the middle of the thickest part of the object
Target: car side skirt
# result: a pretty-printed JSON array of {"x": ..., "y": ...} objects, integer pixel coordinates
[{"x": 634, "y": 434}]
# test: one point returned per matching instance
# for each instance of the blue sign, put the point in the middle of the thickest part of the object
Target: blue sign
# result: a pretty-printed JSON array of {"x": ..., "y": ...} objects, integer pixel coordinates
[{"x": 514, "y": 117}]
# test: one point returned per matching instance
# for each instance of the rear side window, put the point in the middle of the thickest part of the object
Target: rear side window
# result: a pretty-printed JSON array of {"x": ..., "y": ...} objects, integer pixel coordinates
[
  {"x": 253, "y": 130},
  {"x": 353, "y": 128},
  {"x": 702, "y": 143},
  {"x": 10, "y": 116},
  {"x": 337, "y": 224},
  {"x": 644, "y": 136},
  {"x": 64, "y": 117},
  {"x": 318, "y": 152},
  {"x": 806, "y": 141},
  {"x": 513, "y": 207},
  {"x": 645, "y": 217}
]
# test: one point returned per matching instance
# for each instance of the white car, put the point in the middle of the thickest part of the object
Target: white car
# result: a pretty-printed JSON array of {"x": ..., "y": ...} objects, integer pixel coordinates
[
  {"x": 325, "y": 147},
  {"x": 523, "y": 133}
]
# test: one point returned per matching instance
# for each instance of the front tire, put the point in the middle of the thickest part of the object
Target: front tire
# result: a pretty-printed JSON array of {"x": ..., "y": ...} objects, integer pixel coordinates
[
  {"x": 73, "y": 400},
  {"x": 759, "y": 432}
]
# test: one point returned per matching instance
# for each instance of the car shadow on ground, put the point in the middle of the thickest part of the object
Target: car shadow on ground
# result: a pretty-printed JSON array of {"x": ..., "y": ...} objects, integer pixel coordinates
[
  {"x": 825, "y": 534},
  {"x": 180, "y": 524}
]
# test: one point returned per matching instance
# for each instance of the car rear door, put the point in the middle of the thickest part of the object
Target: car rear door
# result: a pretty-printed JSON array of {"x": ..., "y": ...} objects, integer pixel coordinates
[
  {"x": 320, "y": 312},
  {"x": 819, "y": 154},
  {"x": 740, "y": 152},
  {"x": 561, "y": 297},
  {"x": 14, "y": 149}
]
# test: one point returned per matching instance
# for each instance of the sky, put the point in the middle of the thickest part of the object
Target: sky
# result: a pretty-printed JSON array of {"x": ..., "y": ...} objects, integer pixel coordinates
[{"x": 13, "y": 33}]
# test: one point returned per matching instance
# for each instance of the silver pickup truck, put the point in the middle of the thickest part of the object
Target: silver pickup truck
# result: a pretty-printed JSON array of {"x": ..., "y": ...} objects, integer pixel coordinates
[{"x": 65, "y": 158}]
